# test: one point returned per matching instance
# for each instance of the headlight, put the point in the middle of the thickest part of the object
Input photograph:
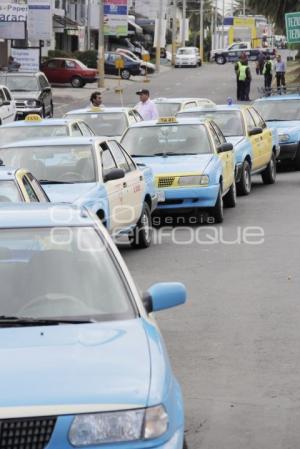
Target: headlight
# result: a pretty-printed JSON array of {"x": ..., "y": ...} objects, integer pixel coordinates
[
  {"x": 284, "y": 137},
  {"x": 115, "y": 427},
  {"x": 202, "y": 180},
  {"x": 32, "y": 103}
]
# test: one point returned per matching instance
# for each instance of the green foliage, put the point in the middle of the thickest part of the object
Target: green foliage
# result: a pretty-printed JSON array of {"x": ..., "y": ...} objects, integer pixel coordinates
[
  {"x": 89, "y": 58},
  {"x": 275, "y": 9},
  {"x": 59, "y": 54}
]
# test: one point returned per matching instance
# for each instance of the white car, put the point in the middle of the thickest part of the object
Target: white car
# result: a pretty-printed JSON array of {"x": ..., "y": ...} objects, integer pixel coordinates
[
  {"x": 8, "y": 110},
  {"x": 187, "y": 57},
  {"x": 168, "y": 107}
]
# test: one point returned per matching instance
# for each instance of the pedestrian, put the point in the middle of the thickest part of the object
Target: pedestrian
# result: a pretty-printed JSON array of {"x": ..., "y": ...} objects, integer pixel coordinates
[
  {"x": 280, "y": 73},
  {"x": 247, "y": 81},
  {"x": 244, "y": 80},
  {"x": 267, "y": 72},
  {"x": 237, "y": 71},
  {"x": 261, "y": 62},
  {"x": 96, "y": 100},
  {"x": 146, "y": 108},
  {"x": 13, "y": 66}
]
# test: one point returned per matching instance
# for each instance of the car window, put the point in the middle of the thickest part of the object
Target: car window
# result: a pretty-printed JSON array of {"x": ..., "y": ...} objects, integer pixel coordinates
[
  {"x": 249, "y": 120},
  {"x": 119, "y": 156},
  {"x": 38, "y": 189},
  {"x": 76, "y": 131},
  {"x": 70, "y": 64},
  {"x": 214, "y": 135},
  {"x": 218, "y": 132},
  {"x": 7, "y": 94},
  {"x": 29, "y": 189},
  {"x": 2, "y": 97},
  {"x": 259, "y": 121},
  {"x": 86, "y": 131},
  {"x": 54, "y": 64},
  {"x": 108, "y": 162}
]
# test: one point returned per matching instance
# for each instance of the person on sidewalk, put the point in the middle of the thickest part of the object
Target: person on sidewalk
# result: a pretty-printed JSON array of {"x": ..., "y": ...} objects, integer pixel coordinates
[
  {"x": 280, "y": 73},
  {"x": 267, "y": 72},
  {"x": 146, "y": 108}
]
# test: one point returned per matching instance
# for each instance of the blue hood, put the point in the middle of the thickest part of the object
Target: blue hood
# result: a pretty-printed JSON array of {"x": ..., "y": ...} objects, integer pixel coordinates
[
  {"x": 103, "y": 363},
  {"x": 174, "y": 164},
  {"x": 68, "y": 193}
]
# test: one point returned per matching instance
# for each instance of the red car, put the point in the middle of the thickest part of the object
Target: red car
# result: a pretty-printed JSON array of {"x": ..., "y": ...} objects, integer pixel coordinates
[{"x": 62, "y": 70}]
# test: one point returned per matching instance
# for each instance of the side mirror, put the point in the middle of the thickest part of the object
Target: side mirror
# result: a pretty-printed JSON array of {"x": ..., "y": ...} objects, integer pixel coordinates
[
  {"x": 115, "y": 173},
  {"x": 227, "y": 146},
  {"x": 255, "y": 131},
  {"x": 164, "y": 295}
]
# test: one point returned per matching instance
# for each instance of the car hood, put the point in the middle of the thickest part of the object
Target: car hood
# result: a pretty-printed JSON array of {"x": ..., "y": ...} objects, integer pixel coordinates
[
  {"x": 235, "y": 140},
  {"x": 32, "y": 95},
  {"x": 68, "y": 193},
  {"x": 177, "y": 164},
  {"x": 105, "y": 364},
  {"x": 284, "y": 127}
]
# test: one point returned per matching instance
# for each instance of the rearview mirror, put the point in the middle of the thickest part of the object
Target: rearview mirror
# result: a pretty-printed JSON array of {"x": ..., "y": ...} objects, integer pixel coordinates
[
  {"x": 115, "y": 173},
  {"x": 255, "y": 131},
  {"x": 164, "y": 295},
  {"x": 227, "y": 146}
]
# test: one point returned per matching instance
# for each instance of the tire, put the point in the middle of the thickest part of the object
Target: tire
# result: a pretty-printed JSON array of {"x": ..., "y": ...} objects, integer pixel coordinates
[
  {"x": 297, "y": 159},
  {"x": 125, "y": 74},
  {"x": 269, "y": 174},
  {"x": 76, "y": 82},
  {"x": 200, "y": 63},
  {"x": 142, "y": 234},
  {"x": 243, "y": 187},
  {"x": 230, "y": 197},
  {"x": 217, "y": 211},
  {"x": 220, "y": 60}
]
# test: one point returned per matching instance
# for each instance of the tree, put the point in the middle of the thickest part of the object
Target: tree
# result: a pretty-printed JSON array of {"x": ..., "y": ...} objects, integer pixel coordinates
[{"x": 275, "y": 9}]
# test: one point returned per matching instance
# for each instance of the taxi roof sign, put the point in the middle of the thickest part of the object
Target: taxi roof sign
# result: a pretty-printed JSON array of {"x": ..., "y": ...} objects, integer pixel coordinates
[
  {"x": 167, "y": 120},
  {"x": 33, "y": 118}
]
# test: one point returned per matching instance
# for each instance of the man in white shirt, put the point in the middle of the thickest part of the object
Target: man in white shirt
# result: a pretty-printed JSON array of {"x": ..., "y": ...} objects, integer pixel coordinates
[{"x": 146, "y": 107}]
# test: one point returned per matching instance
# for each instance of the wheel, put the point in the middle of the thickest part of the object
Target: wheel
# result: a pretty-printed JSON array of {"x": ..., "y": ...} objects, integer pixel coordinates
[
  {"x": 142, "y": 234},
  {"x": 297, "y": 159},
  {"x": 76, "y": 82},
  {"x": 125, "y": 74},
  {"x": 51, "y": 110},
  {"x": 269, "y": 174},
  {"x": 220, "y": 59},
  {"x": 244, "y": 185},
  {"x": 200, "y": 63},
  {"x": 230, "y": 197},
  {"x": 217, "y": 210}
]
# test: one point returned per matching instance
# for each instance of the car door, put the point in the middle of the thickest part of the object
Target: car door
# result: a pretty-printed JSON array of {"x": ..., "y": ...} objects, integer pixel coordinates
[
  {"x": 254, "y": 140},
  {"x": 69, "y": 70},
  {"x": 266, "y": 137},
  {"x": 230, "y": 156},
  {"x": 133, "y": 183},
  {"x": 52, "y": 70},
  {"x": 225, "y": 158},
  {"x": 12, "y": 105}
]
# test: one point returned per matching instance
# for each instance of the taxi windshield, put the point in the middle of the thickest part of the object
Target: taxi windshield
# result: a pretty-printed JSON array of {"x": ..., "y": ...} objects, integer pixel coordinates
[
  {"x": 20, "y": 83},
  {"x": 9, "y": 192},
  {"x": 281, "y": 110},
  {"x": 57, "y": 164},
  {"x": 108, "y": 124},
  {"x": 16, "y": 133},
  {"x": 167, "y": 109},
  {"x": 230, "y": 122},
  {"x": 49, "y": 264},
  {"x": 167, "y": 140}
]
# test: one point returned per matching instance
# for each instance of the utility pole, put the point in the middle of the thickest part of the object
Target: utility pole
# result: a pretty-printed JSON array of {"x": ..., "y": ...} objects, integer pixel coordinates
[
  {"x": 223, "y": 15},
  {"x": 101, "y": 45},
  {"x": 201, "y": 30},
  {"x": 88, "y": 25},
  {"x": 174, "y": 31},
  {"x": 158, "y": 36},
  {"x": 183, "y": 28},
  {"x": 216, "y": 25},
  {"x": 244, "y": 7}
]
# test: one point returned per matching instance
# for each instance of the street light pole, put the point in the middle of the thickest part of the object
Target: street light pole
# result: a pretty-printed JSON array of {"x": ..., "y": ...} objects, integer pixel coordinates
[
  {"x": 183, "y": 23},
  {"x": 244, "y": 7},
  {"x": 174, "y": 31},
  {"x": 101, "y": 46},
  {"x": 158, "y": 36},
  {"x": 201, "y": 30},
  {"x": 223, "y": 15},
  {"x": 216, "y": 26}
]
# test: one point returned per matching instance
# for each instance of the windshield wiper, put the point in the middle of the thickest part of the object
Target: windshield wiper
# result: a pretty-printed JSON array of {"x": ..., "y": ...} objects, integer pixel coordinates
[
  {"x": 20, "y": 90},
  {"x": 48, "y": 181},
  {"x": 30, "y": 321},
  {"x": 142, "y": 155},
  {"x": 171, "y": 153}
]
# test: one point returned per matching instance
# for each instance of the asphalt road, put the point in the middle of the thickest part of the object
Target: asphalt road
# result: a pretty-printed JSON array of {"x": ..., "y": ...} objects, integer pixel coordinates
[{"x": 235, "y": 345}]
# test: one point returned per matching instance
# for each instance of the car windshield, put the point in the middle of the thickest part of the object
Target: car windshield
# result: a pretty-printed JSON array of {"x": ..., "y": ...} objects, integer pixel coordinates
[
  {"x": 167, "y": 109},
  {"x": 167, "y": 139},
  {"x": 230, "y": 122},
  {"x": 20, "y": 83},
  {"x": 50, "y": 264},
  {"x": 104, "y": 124},
  {"x": 9, "y": 192},
  {"x": 186, "y": 51},
  {"x": 16, "y": 133},
  {"x": 64, "y": 163},
  {"x": 279, "y": 109}
]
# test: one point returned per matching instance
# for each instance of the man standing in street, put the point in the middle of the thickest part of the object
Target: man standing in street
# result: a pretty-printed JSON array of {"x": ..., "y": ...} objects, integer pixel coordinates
[
  {"x": 280, "y": 73},
  {"x": 146, "y": 108},
  {"x": 267, "y": 72},
  {"x": 239, "y": 85}
]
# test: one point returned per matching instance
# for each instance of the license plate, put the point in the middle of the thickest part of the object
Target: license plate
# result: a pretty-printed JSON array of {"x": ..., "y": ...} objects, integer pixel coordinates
[{"x": 161, "y": 196}]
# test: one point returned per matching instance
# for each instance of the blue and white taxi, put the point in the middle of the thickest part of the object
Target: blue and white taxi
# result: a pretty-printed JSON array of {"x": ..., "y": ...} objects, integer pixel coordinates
[
  {"x": 256, "y": 146},
  {"x": 282, "y": 112},
  {"x": 83, "y": 362},
  {"x": 95, "y": 173},
  {"x": 191, "y": 160}
]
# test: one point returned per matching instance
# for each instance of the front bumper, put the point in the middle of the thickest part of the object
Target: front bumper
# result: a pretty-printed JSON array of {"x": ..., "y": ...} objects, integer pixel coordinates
[
  {"x": 288, "y": 151},
  {"x": 186, "y": 198},
  {"x": 186, "y": 63},
  {"x": 23, "y": 112}
]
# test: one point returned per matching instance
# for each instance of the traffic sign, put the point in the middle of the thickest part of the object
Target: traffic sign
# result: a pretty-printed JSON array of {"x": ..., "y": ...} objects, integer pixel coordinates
[
  {"x": 292, "y": 23},
  {"x": 119, "y": 63}
]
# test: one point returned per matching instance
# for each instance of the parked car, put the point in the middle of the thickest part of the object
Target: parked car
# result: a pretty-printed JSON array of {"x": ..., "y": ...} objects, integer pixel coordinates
[
  {"x": 85, "y": 363},
  {"x": 19, "y": 185},
  {"x": 8, "y": 111},
  {"x": 69, "y": 71},
  {"x": 34, "y": 127},
  {"x": 188, "y": 57},
  {"x": 31, "y": 92},
  {"x": 135, "y": 46},
  {"x": 146, "y": 67},
  {"x": 131, "y": 67}
]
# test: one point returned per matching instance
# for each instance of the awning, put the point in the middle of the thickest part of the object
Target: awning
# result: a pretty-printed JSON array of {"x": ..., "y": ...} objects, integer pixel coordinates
[{"x": 64, "y": 22}]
